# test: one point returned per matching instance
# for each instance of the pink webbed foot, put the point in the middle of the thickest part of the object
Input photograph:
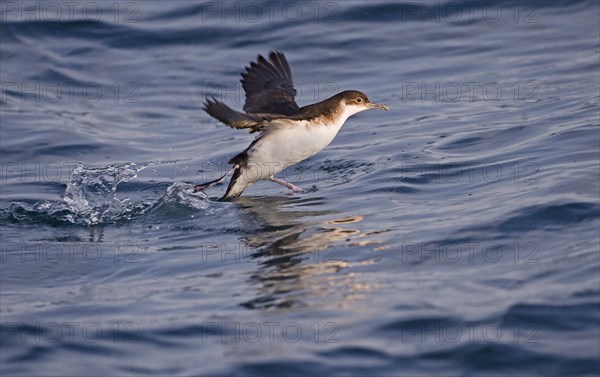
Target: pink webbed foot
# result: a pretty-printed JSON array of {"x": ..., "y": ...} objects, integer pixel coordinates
[
  {"x": 206, "y": 185},
  {"x": 290, "y": 186}
]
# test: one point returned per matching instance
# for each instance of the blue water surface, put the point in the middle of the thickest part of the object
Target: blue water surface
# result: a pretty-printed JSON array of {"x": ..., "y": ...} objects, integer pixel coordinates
[{"x": 456, "y": 234}]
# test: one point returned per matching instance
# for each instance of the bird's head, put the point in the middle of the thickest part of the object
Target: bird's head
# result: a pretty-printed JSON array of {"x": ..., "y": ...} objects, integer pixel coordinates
[{"x": 356, "y": 102}]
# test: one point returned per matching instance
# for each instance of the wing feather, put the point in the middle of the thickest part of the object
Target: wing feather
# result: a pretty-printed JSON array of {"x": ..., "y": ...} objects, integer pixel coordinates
[
  {"x": 236, "y": 119},
  {"x": 268, "y": 86}
]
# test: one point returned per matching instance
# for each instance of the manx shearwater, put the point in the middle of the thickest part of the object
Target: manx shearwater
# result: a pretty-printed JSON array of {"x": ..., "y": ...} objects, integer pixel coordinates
[{"x": 288, "y": 133}]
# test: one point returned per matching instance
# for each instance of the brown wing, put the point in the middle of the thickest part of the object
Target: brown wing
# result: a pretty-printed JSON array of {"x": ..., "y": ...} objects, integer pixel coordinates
[
  {"x": 269, "y": 87},
  {"x": 236, "y": 119}
]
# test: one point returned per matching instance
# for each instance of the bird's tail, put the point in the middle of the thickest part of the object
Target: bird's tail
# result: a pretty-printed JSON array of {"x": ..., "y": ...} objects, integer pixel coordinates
[{"x": 237, "y": 185}]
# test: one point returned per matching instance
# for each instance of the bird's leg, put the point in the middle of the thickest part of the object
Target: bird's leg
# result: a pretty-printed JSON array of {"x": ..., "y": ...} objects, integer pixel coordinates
[
  {"x": 286, "y": 184},
  {"x": 204, "y": 186}
]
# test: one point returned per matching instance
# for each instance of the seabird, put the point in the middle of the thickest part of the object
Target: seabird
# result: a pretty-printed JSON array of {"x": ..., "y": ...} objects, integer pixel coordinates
[{"x": 288, "y": 133}]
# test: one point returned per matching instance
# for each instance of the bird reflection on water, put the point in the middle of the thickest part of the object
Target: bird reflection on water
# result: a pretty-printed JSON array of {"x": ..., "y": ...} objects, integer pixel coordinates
[{"x": 298, "y": 257}]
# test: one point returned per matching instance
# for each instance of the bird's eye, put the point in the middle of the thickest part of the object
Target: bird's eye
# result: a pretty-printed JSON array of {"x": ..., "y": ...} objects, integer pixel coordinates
[{"x": 359, "y": 100}]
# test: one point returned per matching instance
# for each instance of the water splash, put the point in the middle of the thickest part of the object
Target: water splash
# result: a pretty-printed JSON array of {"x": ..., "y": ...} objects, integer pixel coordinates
[
  {"x": 92, "y": 192},
  {"x": 91, "y": 198},
  {"x": 182, "y": 194}
]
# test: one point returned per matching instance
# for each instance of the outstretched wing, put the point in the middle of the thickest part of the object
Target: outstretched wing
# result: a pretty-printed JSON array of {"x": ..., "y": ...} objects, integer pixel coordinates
[
  {"x": 268, "y": 86},
  {"x": 236, "y": 119}
]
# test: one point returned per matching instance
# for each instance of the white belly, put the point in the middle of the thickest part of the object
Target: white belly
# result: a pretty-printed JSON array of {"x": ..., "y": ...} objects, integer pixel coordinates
[{"x": 281, "y": 147}]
